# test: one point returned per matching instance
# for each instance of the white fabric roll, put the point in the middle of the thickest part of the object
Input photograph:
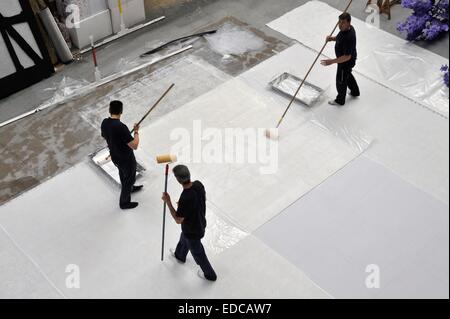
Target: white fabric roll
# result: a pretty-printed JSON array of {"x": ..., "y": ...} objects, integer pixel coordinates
[{"x": 62, "y": 49}]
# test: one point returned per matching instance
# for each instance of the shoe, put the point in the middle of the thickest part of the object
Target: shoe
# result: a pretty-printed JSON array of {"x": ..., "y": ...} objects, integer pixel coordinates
[
  {"x": 201, "y": 274},
  {"x": 137, "y": 188},
  {"x": 353, "y": 95},
  {"x": 130, "y": 205},
  {"x": 172, "y": 254},
  {"x": 333, "y": 102}
]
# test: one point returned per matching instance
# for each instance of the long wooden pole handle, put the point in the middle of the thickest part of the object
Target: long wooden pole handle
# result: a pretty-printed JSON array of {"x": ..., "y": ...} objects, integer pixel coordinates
[{"x": 155, "y": 105}]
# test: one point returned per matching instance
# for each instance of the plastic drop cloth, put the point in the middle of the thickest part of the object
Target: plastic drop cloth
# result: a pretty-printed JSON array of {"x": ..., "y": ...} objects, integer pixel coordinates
[
  {"x": 65, "y": 89},
  {"x": 220, "y": 234},
  {"x": 393, "y": 62},
  {"x": 69, "y": 88}
]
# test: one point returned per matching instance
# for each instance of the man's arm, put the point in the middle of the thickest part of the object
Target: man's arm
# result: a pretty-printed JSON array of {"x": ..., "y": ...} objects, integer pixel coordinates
[
  {"x": 331, "y": 39},
  {"x": 134, "y": 144},
  {"x": 341, "y": 59},
  {"x": 173, "y": 211}
]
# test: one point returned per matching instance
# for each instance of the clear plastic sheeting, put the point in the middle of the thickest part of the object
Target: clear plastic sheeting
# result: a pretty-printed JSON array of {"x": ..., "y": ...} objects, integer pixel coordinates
[
  {"x": 69, "y": 89},
  {"x": 289, "y": 84},
  {"x": 347, "y": 132},
  {"x": 232, "y": 40},
  {"x": 220, "y": 234},
  {"x": 395, "y": 63},
  {"x": 410, "y": 74},
  {"x": 65, "y": 89}
]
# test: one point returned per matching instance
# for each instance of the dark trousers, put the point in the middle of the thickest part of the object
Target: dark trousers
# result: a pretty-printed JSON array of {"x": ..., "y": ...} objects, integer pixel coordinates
[
  {"x": 127, "y": 174},
  {"x": 344, "y": 80},
  {"x": 198, "y": 252}
]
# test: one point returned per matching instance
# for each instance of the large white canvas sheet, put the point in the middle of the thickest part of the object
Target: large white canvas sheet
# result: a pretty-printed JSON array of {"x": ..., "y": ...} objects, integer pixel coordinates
[{"x": 73, "y": 219}]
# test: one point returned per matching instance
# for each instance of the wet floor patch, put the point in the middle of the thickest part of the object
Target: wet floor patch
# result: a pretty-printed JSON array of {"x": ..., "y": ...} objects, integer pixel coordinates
[{"x": 230, "y": 57}]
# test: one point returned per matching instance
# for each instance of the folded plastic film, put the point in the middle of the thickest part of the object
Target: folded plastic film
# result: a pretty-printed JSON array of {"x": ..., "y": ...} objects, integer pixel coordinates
[{"x": 411, "y": 74}]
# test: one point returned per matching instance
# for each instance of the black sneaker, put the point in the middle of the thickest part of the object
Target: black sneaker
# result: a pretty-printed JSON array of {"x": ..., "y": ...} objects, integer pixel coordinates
[
  {"x": 130, "y": 205},
  {"x": 137, "y": 188}
]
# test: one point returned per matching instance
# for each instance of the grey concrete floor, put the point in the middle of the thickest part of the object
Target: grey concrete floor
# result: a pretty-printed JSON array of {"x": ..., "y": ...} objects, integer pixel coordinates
[{"x": 184, "y": 19}]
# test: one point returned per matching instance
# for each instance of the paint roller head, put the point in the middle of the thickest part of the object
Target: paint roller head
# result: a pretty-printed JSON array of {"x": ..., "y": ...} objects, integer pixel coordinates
[
  {"x": 272, "y": 133},
  {"x": 166, "y": 158}
]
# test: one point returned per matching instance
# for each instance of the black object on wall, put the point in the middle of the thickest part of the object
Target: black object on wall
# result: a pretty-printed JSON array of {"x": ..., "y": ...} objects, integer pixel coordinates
[{"x": 42, "y": 68}]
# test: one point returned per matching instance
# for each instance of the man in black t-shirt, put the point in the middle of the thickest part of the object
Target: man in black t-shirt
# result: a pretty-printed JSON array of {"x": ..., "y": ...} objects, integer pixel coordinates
[
  {"x": 191, "y": 216},
  {"x": 346, "y": 54},
  {"x": 121, "y": 145}
]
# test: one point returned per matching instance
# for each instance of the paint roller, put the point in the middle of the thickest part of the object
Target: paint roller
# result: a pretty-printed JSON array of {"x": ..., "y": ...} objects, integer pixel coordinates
[
  {"x": 108, "y": 158},
  {"x": 272, "y": 133},
  {"x": 165, "y": 159}
]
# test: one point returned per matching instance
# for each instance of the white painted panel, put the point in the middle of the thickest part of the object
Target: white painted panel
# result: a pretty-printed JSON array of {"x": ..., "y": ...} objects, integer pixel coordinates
[
  {"x": 24, "y": 30},
  {"x": 6, "y": 63},
  {"x": 98, "y": 25},
  {"x": 10, "y": 7}
]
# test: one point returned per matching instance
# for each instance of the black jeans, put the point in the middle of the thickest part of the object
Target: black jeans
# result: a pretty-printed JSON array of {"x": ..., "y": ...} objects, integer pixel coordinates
[
  {"x": 127, "y": 174},
  {"x": 344, "y": 80},
  {"x": 198, "y": 252}
]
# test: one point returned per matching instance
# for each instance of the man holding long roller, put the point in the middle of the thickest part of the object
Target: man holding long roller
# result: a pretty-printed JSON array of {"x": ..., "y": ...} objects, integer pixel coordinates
[
  {"x": 191, "y": 216},
  {"x": 121, "y": 145},
  {"x": 346, "y": 59}
]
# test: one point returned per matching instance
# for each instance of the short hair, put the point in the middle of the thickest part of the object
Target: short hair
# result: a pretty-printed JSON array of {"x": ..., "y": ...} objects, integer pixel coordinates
[
  {"x": 115, "y": 108},
  {"x": 182, "y": 174},
  {"x": 346, "y": 16}
]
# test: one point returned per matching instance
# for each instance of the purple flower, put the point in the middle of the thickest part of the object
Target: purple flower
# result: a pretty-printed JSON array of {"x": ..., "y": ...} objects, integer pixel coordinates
[
  {"x": 444, "y": 69},
  {"x": 434, "y": 29},
  {"x": 428, "y": 21},
  {"x": 419, "y": 6}
]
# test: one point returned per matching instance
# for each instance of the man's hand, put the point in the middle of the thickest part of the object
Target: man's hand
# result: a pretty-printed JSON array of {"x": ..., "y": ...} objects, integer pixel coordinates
[
  {"x": 166, "y": 198},
  {"x": 330, "y": 38},
  {"x": 327, "y": 62},
  {"x": 136, "y": 128}
]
